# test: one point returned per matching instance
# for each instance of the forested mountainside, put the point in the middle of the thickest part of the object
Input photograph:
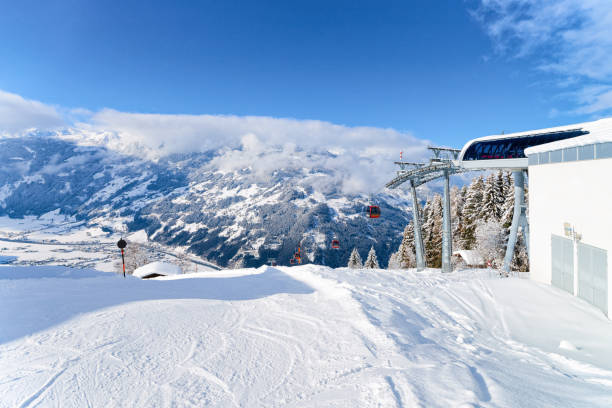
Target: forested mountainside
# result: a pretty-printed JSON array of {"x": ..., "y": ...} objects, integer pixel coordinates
[{"x": 233, "y": 218}]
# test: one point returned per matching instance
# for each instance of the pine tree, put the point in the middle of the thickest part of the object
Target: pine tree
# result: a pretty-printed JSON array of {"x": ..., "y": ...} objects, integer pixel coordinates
[
  {"x": 520, "y": 261},
  {"x": 432, "y": 232},
  {"x": 471, "y": 212},
  {"x": 508, "y": 183},
  {"x": 372, "y": 261},
  {"x": 500, "y": 188},
  {"x": 490, "y": 239},
  {"x": 508, "y": 205},
  {"x": 457, "y": 214},
  {"x": 406, "y": 251},
  {"x": 493, "y": 198},
  {"x": 394, "y": 261},
  {"x": 457, "y": 199},
  {"x": 355, "y": 260}
]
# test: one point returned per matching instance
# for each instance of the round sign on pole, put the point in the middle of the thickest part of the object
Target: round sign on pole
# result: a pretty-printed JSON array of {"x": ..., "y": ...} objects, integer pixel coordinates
[{"x": 121, "y": 244}]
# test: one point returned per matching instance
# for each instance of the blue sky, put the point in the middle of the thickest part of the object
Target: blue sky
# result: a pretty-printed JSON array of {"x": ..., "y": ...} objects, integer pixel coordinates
[{"x": 446, "y": 71}]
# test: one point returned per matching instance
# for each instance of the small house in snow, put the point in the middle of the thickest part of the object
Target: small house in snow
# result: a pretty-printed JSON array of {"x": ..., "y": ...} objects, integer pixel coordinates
[
  {"x": 470, "y": 258},
  {"x": 155, "y": 269}
]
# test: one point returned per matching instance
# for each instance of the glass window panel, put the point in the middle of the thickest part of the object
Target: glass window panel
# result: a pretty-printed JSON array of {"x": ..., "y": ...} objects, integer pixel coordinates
[
  {"x": 586, "y": 152},
  {"x": 604, "y": 150},
  {"x": 510, "y": 151},
  {"x": 570, "y": 154},
  {"x": 543, "y": 158},
  {"x": 556, "y": 156}
]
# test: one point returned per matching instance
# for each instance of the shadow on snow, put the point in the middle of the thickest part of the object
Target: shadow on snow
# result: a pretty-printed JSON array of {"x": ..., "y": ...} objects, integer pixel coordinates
[{"x": 36, "y": 298}]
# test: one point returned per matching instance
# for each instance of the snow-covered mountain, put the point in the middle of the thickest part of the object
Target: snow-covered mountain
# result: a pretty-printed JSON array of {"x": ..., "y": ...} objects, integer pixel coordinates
[{"x": 221, "y": 206}]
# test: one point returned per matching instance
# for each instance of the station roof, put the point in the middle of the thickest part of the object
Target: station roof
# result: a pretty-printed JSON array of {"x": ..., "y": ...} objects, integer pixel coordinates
[{"x": 600, "y": 131}]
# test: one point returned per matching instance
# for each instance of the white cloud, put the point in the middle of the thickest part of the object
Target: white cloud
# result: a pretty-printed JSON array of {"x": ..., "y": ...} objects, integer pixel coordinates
[
  {"x": 186, "y": 133},
  {"x": 571, "y": 38},
  {"x": 363, "y": 156},
  {"x": 594, "y": 99},
  {"x": 17, "y": 115}
]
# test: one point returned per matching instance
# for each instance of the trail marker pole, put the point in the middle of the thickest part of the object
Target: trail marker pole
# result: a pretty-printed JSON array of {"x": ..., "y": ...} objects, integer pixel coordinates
[{"x": 122, "y": 244}]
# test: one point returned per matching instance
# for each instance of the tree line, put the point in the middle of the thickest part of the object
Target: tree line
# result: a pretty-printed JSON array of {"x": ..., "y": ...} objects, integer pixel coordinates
[{"x": 481, "y": 215}]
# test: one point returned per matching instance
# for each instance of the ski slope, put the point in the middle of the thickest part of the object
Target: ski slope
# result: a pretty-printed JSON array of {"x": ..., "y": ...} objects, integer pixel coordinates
[{"x": 305, "y": 336}]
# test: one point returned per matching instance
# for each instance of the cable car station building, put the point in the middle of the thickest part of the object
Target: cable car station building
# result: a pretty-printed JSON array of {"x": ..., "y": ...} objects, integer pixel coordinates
[
  {"x": 570, "y": 213},
  {"x": 569, "y": 170}
]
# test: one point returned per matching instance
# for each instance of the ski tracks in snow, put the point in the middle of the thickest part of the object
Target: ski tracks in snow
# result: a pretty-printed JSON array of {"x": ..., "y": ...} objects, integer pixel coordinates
[
  {"x": 361, "y": 338},
  {"x": 453, "y": 345}
]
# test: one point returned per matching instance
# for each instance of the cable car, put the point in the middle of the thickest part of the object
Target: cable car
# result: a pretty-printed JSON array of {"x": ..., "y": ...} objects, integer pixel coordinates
[
  {"x": 335, "y": 244},
  {"x": 373, "y": 211}
]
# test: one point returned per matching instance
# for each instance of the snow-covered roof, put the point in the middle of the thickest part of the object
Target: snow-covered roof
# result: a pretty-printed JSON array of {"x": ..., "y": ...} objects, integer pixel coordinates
[
  {"x": 600, "y": 131},
  {"x": 160, "y": 268},
  {"x": 470, "y": 256}
]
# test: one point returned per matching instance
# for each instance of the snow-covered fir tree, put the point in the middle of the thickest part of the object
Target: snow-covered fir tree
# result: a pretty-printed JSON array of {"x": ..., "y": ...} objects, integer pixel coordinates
[
  {"x": 432, "y": 232},
  {"x": 491, "y": 242},
  {"x": 372, "y": 261},
  {"x": 457, "y": 206},
  {"x": 520, "y": 261},
  {"x": 508, "y": 205},
  {"x": 481, "y": 218},
  {"x": 492, "y": 197},
  {"x": 457, "y": 201},
  {"x": 394, "y": 261},
  {"x": 471, "y": 212},
  {"x": 406, "y": 250},
  {"x": 355, "y": 260}
]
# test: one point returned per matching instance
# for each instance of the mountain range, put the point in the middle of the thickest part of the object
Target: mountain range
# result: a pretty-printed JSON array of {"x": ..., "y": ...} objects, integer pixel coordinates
[{"x": 205, "y": 202}]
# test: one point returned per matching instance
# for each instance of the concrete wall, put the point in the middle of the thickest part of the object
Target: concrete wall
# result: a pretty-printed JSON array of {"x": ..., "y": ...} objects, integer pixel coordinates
[{"x": 579, "y": 193}]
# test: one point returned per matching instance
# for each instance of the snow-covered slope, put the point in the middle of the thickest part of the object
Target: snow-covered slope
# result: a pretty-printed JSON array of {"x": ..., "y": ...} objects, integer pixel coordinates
[
  {"x": 306, "y": 336},
  {"x": 206, "y": 202}
]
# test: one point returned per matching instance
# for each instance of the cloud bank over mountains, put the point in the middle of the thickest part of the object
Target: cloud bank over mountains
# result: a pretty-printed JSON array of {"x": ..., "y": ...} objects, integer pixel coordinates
[
  {"x": 18, "y": 115},
  {"x": 568, "y": 38},
  {"x": 361, "y": 158}
]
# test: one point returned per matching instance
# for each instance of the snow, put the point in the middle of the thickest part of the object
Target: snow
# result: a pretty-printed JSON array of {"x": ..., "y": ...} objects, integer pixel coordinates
[
  {"x": 139, "y": 236},
  {"x": 600, "y": 131},
  {"x": 5, "y": 192},
  {"x": 305, "y": 336},
  {"x": 471, "y": 257},
  {"x": 54, "y": 239},
  {"x": 566, "y": 345},
  {"x": 160, "y": 268}
]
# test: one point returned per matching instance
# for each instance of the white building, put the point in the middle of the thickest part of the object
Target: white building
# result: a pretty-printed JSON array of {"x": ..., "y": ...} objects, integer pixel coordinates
[{"x": 570, "y": 213}]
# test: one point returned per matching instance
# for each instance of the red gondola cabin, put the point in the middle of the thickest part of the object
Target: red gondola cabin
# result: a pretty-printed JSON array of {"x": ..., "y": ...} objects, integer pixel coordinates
[
  {"x": 335, "y": 244},
  {"x": 373, "y": 211}
]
